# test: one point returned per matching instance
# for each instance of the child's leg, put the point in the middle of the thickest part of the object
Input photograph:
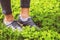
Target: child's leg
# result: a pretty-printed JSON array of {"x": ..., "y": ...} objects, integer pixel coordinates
[
  {"x": 25, "y": 19},
  {"x": 9, "y": 19},
  {"x": 25, "y": 4},
  {"x": 6, "y": 9}
]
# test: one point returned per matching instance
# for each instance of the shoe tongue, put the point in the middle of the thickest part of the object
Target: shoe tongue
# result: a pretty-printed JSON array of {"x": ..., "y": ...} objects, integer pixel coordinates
[
  {"x": 7, "y": 23},
  {"x": 23, "y": 19}
]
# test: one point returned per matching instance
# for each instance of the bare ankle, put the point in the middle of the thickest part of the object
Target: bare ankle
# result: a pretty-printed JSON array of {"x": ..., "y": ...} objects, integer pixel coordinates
[
  {"x": 9, "y": 17},
  {"x": 24, "y": 12},
  {"x": 24, "y": 15}
]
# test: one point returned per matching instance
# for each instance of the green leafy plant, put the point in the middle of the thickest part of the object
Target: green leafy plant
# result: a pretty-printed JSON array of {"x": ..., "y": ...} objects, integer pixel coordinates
[{"x": 46, "y": 15}]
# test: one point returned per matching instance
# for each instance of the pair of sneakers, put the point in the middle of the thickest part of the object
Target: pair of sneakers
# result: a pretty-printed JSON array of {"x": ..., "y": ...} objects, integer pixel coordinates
[{"x": 17, "y": 24}]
